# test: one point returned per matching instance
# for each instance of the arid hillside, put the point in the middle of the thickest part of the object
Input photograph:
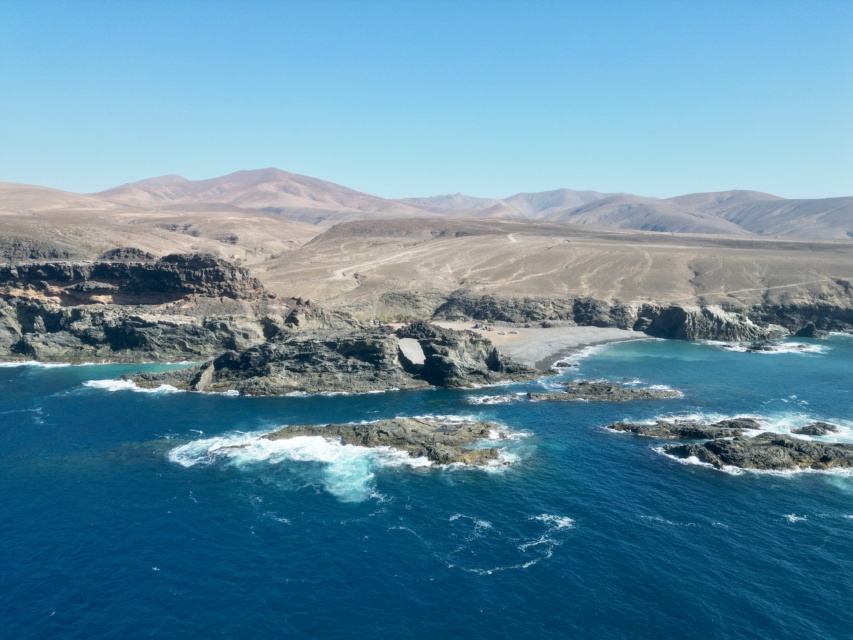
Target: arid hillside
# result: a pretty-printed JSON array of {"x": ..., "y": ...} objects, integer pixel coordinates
[{"x": 392, "y": 267}]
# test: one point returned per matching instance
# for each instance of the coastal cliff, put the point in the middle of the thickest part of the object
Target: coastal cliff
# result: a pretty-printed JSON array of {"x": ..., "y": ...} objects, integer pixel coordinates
[
  {"x": 128, "y": 306},
  {"x": 131, "y": 308},
  {"x": 832, "y": 310}
]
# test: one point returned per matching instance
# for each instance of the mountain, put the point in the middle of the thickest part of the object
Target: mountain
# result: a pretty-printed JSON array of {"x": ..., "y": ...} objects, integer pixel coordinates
[
  {"x": 522, "y": 205},
  {"x": 269, "y": 189},
  {"x": 725, "y": 212},
  {"x": 454, "y": 202},
  {"x": 540, "y": 205},
  {"x": 26, "y": 198},
  {"x": 319, "y": 203}
]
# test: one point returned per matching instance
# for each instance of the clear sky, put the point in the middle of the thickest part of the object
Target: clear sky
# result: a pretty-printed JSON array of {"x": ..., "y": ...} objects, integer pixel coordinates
[{"x": 400, "y": 99}]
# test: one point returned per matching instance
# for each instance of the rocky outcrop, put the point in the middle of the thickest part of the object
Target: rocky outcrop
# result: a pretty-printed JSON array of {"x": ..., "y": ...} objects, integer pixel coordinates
[
  {"x": 310, "y": 362},
  {"x": 126, "y": 254},
  {"x": 461, "y": 358},
  {"x": 811, "y": 331},
  {"x": 699, "y": 323},
  {"x": 688, "y": 429},
  {"x": 768, "y": 452},
  {"x": 816, "y": 429},
  {"x": 440, "y": 441},
  {"x": 15, "y": 248},
  {"x": 305, "y": 315},
  {"x": 350, "y": 361},
  {"x": 598, "y": 391}
]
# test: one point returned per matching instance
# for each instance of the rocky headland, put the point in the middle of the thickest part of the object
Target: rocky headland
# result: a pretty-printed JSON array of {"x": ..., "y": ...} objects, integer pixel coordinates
[{"x": 440, "y": 441}]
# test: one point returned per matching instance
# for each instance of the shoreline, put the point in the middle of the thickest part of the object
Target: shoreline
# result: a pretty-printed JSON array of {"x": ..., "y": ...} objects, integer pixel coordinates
[{"x": 540, "y": 348}]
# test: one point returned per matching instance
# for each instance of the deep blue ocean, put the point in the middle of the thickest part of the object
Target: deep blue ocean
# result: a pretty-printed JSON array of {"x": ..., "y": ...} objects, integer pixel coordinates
[{"x": 118, "y": 522}]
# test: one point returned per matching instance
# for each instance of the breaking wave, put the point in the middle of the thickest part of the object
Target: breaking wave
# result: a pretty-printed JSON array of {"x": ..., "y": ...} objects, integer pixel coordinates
[{"x": 128, "y": 385}]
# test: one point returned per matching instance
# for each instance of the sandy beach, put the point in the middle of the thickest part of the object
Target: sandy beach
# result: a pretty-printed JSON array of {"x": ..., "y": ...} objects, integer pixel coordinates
[{"x": 542, "y": 347}]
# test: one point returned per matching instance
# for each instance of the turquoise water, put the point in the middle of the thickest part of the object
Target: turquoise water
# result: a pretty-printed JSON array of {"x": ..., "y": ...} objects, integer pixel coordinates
[{"x": 116, "y": 520}]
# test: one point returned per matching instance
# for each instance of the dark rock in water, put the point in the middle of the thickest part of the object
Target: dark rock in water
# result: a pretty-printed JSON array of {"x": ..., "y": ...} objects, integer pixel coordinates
[
  {"x": 768, "y": 452},
  {"x": 770, "y": 346},
  {"x": 691, "y": 430},
  {"x": 440, "y": 441},
  {"x": 604, "y": 392},
  {"x": 811, "y": 331},
  {"x": 816, "y": 429},
  {"x": 762, "y": 345},
  {"x": 562, "y": 364}
]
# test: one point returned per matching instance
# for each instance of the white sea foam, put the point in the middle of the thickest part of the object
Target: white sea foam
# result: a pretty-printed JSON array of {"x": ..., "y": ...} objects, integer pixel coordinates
[
  {"x": 128, "y": 385},
  {"x": 554, "y": 522},
  {"x": 793, "y": 518},
  {"x": 502, "y": 399},
  {"x": 332, "y": 394},
  {"x": 33, "y": 363},
  {"x": 581, "y": 354},
  {"x": 472, "y": 540},
  {"x": 783, "y": 423},
  {"x": 669, "y": 523},
  {"x": 53, "y": 365},
  {"x": 346, "y": 470},
  {"x": 773, "y": 348},
  {"x": 737, "y": 471}
]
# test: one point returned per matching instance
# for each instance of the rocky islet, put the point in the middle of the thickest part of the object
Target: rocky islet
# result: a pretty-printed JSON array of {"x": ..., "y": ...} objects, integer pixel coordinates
[
  {"x": 440, "y": 441},
  {"x": 728, "y": 444}
]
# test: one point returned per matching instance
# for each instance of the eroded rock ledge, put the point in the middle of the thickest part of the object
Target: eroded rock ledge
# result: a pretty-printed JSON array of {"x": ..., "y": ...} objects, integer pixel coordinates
[{"x": 440, "y": 441}]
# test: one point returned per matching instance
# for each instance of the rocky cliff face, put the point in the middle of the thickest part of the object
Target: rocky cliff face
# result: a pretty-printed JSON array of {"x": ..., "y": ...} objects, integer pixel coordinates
[
  {"x": 833, "y": 311},
  {"x": 178, "y": 275},
  {"x": 179, "y": 307}
]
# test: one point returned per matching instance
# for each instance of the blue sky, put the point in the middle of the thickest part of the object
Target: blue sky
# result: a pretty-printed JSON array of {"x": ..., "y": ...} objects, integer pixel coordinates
[{"x": 421, "y": 98}]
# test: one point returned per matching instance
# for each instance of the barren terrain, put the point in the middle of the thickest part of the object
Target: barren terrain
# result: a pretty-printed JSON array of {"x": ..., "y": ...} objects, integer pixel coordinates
[{"x": 370, "y": 267}]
